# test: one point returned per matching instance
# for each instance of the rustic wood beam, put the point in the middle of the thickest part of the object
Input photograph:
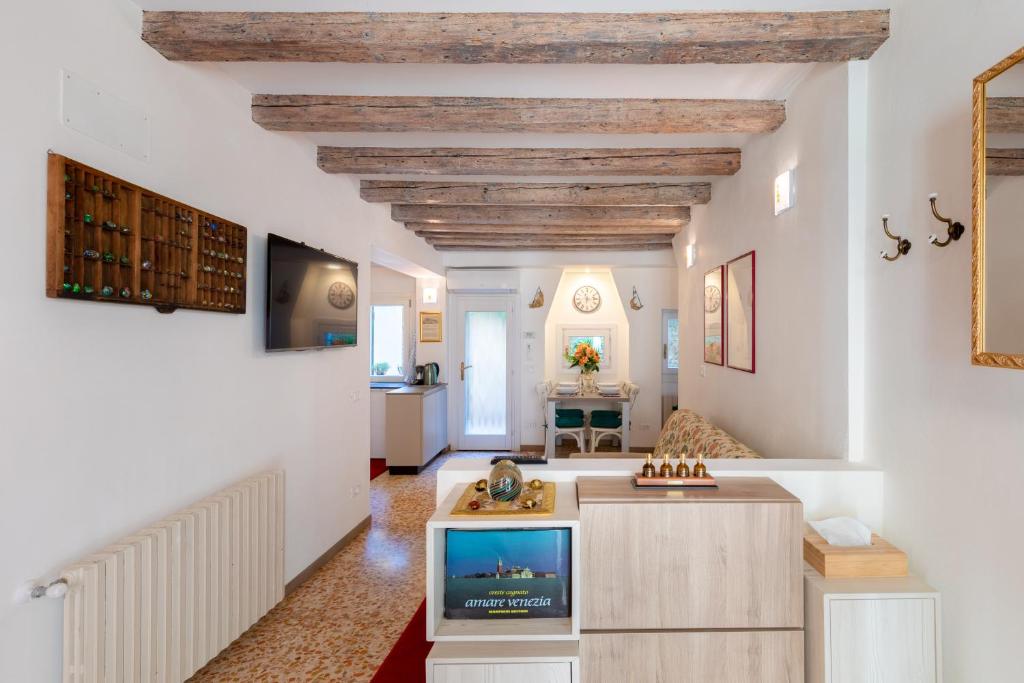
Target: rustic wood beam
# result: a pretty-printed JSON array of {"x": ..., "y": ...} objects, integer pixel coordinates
[
  {"x": 1004, "y": 162},
  {"x": 345, "y": 114},
  {"x": 552, "y": 239},
  {"x": 550, "y": 194},
  {"x": 1004, "y": 115},
  {"x": 530, "y": 245},
  {"x": 522, "y": 38},
  {"x": 531, "y": 162},
  {"x": 440, "y": 230},
  {"x": 541, "y": 215}
]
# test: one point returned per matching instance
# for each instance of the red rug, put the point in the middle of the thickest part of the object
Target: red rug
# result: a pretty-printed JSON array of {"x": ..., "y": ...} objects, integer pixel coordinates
[
  {"x": 378, "y": 466},
  {"x": 407, "y": 661}
]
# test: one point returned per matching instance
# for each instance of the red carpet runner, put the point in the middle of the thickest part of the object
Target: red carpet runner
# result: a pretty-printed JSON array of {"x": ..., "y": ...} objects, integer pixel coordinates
[
  {"x": 407, "y": 661},
  {"x": 378, "y": 466}
]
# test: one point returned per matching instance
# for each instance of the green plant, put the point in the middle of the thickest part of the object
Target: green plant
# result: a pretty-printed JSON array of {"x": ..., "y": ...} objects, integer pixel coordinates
[{"x": 381, "y": 368}]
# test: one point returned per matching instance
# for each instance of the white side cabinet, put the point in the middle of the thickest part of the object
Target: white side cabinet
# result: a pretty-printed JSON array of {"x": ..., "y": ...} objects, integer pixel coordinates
[
  {"x": 871, "y": 630},
  {"x": 504, "y": 662},
  {"x": 417, "y": 426}
]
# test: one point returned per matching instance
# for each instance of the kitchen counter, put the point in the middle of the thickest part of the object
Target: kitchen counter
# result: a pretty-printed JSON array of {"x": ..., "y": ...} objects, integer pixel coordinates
[{"x": 417, "y": 389}]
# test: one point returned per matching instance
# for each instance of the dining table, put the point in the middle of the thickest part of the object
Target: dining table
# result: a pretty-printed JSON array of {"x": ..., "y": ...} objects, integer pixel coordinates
[{"x": 585, "y": 399}]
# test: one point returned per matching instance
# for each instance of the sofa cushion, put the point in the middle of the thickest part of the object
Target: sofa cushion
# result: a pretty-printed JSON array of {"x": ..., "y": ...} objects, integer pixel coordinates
[{"x": 686, "y": 427}]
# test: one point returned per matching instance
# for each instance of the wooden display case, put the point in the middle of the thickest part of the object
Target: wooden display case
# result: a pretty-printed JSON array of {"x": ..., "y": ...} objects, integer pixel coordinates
[{"x": 109, "y": 240}]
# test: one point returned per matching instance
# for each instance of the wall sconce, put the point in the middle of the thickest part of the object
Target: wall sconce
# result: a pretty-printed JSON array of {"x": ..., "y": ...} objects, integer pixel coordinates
[
  {"x": 430, "y": 295},
  {"x": 954, "y": 229},
  {"x": 902, "y": 244},
  {"x": 691, "y": 255},
  {"x": 538, "y": 299},
  {"x": 634, "y": 301},
  {"x": 785, "y": 191}
]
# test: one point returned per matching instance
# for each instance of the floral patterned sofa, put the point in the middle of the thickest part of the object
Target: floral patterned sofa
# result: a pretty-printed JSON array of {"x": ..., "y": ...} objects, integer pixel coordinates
[{"x": 686, "y": 427}]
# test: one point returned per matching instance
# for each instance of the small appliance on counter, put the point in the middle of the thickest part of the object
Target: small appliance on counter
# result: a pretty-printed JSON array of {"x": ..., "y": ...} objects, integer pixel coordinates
[{"x": 427, "y": 374}]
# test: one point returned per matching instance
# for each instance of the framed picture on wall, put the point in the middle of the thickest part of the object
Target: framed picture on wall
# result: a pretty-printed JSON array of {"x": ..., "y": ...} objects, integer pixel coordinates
[
  {"x": 714, "y": 305},
  {"x": 430, "y": 326},
  {"x": 739, "y": 313}
]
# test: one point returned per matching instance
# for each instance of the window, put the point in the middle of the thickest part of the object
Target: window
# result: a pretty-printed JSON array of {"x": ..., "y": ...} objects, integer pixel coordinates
[
  {"x": 601, "y": 338},
  {"x": 669, "y": 341},
  {"x": 387, "y": 340}
]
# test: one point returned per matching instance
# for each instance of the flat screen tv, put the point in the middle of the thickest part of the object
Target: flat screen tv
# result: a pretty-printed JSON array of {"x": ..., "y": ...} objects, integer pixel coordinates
[
  {"x": 312, "y": 297},
  {"x": 507, "y": 574}
]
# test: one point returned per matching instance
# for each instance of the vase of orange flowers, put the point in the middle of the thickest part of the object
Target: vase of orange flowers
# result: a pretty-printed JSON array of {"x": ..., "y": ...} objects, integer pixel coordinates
[{"x": 588, "y": 360}]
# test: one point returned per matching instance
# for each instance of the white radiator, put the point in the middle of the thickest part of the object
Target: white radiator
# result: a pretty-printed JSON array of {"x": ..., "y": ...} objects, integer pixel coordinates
[{"x": 160, "y": 604}]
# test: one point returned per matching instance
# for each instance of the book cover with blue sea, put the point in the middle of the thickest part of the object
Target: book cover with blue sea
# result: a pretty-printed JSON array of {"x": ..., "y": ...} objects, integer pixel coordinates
[{"x": 507, "y": 574}]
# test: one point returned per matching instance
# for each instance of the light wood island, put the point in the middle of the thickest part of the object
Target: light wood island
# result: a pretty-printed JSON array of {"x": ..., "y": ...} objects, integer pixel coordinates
[{"x": 690, "y": 585}]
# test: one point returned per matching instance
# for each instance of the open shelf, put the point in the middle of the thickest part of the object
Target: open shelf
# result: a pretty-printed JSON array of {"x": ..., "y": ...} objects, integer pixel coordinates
[{"x": 566, "y": 515}]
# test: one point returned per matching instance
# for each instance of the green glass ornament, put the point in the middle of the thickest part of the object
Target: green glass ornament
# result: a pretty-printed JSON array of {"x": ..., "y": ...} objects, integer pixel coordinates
[
  {"x": 67, "y": 195},
  {"x": 146, "y": 294},
  {"x": 88, "y": 289},
  {"x": 125, "y": 293},
  {"x": 76, "y": 288},
  {"x": 67, "y": 286},
  {"x": 87, "y": 218},
  {"x": 125, "y": 261},
  {"x": 67, "y": 178},
  {"x": 108, "y": 257},
  {"x": 107, "y": 290},
  {"x": 110, "y": 225}
]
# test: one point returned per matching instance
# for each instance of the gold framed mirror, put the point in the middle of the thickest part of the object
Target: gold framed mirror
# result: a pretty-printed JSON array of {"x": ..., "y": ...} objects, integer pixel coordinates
[{"x": 997, "y": 287}]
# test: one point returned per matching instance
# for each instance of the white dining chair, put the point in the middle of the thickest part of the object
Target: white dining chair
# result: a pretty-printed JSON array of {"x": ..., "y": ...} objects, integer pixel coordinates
[
  {"x": 568, "y": 422},
  {"x": 609, "y": 422}
]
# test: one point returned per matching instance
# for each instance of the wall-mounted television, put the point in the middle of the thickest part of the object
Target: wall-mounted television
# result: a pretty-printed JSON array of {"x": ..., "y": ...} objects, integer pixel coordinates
[
  {"x": 508, "y": 573},
  {"x": 312, "y": 297}
]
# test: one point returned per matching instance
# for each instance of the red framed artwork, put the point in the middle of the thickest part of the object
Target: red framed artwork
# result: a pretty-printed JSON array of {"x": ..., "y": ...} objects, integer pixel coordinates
[
  {"x": 714, "y": 309},
  {"x": 740, "y": 313}
]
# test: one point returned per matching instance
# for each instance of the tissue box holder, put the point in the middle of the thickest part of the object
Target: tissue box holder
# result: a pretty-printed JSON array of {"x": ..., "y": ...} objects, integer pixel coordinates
[{"x": 880, "y": 559}]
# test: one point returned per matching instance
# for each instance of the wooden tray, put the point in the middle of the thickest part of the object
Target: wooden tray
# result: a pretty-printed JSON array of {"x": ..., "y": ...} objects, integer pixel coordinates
[
  {"x": 545, "y": 498},
  {"x": 880, "y": 559},
  {"x": 642, "y": 482}
]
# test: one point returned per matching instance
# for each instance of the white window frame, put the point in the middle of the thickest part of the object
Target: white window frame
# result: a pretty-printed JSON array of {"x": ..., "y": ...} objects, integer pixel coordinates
[
  {"x": 609, "y": 333},
  {"x": 406, "y": 303}
]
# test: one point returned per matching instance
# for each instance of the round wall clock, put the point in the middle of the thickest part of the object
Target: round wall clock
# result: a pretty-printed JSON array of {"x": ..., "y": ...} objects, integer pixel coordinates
[
  {"x": 341, "y": 295},
  {"x": 587, "y": 299},
  {"x": 712, "y": 299}
]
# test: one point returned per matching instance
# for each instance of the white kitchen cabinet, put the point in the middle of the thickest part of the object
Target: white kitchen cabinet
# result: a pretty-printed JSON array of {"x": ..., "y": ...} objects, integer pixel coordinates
[
  {"x": 417, "y": 426},
  {"x": 871, "y": 630},
  {"x": 503, "y": 662}
]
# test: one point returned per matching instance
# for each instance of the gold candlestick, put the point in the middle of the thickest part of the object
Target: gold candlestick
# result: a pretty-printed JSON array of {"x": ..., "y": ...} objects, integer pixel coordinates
[
  {"x": 699, "y": 470},
  {"x": 648, "y": 471},
  {"x": 666, "y": 467}
]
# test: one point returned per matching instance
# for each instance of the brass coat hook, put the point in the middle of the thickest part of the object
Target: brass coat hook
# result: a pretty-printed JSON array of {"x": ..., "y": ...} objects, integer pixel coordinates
[
  {"x": 902, "y": 244},
  {"x": 954, "y": 231}
]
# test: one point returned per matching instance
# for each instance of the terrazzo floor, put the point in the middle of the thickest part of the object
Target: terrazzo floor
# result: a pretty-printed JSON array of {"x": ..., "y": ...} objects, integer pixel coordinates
[{"x": 341, "y": 623}]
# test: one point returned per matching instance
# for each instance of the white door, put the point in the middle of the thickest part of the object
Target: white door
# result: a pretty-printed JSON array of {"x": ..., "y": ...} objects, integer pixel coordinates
[{"x": 483, "y": 372}]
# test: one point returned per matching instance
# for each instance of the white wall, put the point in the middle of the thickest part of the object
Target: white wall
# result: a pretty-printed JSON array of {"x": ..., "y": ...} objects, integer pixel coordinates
[
  {"x": 795, "y": 405},
  {"x": 949, "y": 435},
  {"x": 112, "y": 417}
]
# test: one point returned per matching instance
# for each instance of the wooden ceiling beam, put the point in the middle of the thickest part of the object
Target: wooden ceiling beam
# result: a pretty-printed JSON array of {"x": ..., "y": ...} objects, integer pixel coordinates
[
  {"x": 674, "y": 216},
  {"x": 1004, "y": 162},
  {"x": 517, "y": 38},
  {"x": 552, "y": 238},
  {"x": 530, "y": 245},
  {"x": 1004, "y": 115},
  {"x": 550, "y": 194},
  {"x": 531, "y": 161},
  {"x": 345, "y": 114},
  {"x": 440, "y": 230}
]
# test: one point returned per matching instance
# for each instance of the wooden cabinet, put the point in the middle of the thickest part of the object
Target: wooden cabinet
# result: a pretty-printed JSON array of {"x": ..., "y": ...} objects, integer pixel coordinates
[
  {"x": 695, "y": 584},
  {"x": 693, "y": 657},
  {"x": 877, "y": 630},
  {"x": 417, "y": 426},
  {"x": 504, "y": 662}
]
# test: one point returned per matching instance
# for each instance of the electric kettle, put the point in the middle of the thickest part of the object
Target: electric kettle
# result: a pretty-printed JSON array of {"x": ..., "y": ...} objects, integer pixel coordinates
[{"x": 431, "y": 371}]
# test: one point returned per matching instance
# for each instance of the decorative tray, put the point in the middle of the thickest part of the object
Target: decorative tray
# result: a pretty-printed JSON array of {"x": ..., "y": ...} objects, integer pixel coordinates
[
  {"x": 642, "y": 482},
  {"x": 545, "y": 497}
]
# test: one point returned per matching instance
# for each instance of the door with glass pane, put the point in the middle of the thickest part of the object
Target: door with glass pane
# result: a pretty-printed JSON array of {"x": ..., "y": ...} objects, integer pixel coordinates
[
  {"x": 483, "y": 339},
  {"x": 669, "y": 362}
]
